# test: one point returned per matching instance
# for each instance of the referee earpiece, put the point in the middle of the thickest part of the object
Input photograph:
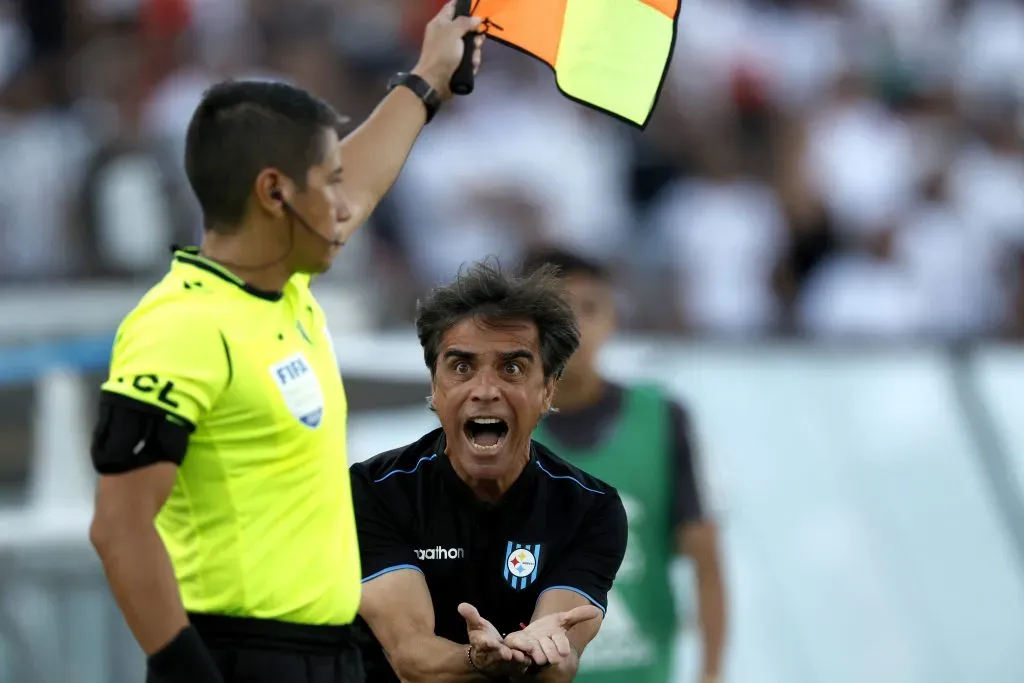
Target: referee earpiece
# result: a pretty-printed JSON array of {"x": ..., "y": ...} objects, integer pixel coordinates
[{"x": 278, "y": 196}]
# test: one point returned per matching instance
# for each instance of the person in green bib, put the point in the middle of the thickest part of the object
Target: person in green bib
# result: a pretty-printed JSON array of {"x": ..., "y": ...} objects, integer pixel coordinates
[{"x": 639, "y": 440}]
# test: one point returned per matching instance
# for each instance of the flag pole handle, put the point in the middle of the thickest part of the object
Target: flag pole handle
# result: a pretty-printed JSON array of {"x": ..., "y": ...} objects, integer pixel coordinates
[{"x": 462, "y": 79}]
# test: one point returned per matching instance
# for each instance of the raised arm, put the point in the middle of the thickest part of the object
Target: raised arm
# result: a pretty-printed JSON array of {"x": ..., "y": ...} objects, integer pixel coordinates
[
  {"x": 149, "y": 406},
  {"x": 375, "y": 152}
]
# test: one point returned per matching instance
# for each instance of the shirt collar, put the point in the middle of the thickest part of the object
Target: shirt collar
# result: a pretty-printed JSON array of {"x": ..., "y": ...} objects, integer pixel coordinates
[{"x": 190, "y": 256}]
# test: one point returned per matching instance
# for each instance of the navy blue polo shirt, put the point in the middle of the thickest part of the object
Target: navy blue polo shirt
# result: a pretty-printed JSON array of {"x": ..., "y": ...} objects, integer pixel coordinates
[{"x": 556, "y": 527}]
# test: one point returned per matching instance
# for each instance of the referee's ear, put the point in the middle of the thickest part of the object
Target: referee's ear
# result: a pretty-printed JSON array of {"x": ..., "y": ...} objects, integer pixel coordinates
[{"x": 430, "y": 404}]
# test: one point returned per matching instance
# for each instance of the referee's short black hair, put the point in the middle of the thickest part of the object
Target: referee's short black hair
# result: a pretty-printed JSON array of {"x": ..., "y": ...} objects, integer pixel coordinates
[
  {"x": 241, "y": 128},
  {"x": 566, "y": 263},
  {"x": 487, "y": 292}
]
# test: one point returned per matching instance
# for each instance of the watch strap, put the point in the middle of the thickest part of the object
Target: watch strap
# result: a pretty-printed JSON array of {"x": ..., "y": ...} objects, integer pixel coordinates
[{"x": 430, "y": 97}]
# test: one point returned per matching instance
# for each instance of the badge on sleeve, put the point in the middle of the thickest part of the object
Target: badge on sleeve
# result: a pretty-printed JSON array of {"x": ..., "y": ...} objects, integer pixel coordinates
[{"x": 521, "y": 562}]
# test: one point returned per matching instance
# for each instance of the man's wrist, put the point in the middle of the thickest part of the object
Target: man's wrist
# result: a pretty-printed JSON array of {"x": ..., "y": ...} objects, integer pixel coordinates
[
  {"x": 433, "y": 80},
  {"x": 428, "y": 95},
  {"x": 471, "y": 662}
]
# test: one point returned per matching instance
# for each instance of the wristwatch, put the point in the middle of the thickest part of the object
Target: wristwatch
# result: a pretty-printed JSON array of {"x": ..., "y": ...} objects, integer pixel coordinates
[{"x": 426, "y": 93}]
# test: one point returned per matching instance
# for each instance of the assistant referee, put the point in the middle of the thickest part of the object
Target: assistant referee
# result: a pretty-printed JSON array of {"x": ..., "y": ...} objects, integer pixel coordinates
[{"x": 224, "y": 514}]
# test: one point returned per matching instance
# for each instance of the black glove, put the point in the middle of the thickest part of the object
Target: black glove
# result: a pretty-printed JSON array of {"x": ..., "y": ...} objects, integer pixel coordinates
[{"x": 183, "y": 660}]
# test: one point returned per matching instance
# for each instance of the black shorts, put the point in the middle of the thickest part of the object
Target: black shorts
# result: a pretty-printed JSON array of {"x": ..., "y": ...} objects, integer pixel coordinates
[
  {"x": 272, "y": 666},
  {"x": 261, "y": 651}
]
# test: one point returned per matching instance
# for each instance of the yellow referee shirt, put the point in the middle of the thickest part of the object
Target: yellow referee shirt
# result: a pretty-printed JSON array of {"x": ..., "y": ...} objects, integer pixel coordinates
[{"x": 259, "y": 523}]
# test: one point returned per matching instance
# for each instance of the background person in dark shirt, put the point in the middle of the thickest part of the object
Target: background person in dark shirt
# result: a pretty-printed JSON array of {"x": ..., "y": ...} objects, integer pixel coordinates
[
  {"x": 484, "y": 554},
  {"x": 640, "y": 441}
]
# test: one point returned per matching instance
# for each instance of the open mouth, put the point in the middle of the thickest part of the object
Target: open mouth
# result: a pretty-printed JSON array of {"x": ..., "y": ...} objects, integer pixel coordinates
[{"x": 486, "y": 433}]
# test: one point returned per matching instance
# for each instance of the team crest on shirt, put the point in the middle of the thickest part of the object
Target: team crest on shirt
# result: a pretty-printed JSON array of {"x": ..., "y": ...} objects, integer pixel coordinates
[
  {"x": 300, "y": 389},
  {"x": 521, "y": 563}
]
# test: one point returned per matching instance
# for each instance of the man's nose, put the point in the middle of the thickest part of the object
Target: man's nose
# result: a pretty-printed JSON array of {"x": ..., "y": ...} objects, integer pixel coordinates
[
  {"x": 485, "y": 388},
  {"x": 342, "y": 208}
]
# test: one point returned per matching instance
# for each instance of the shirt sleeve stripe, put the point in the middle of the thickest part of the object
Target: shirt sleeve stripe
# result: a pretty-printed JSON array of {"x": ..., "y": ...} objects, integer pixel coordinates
[
  {"x": 382, "y": 572},
  {"x": 575, "y": 590}
]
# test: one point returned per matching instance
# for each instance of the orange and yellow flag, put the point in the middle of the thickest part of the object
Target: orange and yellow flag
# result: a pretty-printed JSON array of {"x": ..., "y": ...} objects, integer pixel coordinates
[{"x": 611, "y": 55}]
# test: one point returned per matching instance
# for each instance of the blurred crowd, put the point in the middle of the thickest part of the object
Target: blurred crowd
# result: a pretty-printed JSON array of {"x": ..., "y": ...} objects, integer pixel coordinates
[{"x": 833, "y": 169}]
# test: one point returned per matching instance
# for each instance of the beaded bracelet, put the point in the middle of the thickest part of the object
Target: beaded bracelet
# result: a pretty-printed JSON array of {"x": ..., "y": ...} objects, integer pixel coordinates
[{"x": 471, "y": 663}]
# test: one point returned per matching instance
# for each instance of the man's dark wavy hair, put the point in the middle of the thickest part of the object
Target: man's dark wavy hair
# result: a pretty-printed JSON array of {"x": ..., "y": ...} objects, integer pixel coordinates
[{"x": 491, "y": 295}]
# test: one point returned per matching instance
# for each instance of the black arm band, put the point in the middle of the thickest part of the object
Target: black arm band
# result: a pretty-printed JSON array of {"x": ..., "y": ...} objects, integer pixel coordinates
[
  {"x": 184, "y": 660},
  {"x": 130, "y": 434}
]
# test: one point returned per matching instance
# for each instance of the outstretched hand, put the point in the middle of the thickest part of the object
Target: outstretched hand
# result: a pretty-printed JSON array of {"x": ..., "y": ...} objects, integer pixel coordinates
[
  {"x": 546, "y": 640},
  {"x": 443, "y": 48},
  {"x": 489, "y": 652}
]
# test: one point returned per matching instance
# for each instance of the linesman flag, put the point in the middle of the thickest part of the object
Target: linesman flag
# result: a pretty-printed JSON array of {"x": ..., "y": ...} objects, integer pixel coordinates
[{"x": 611, "y": 55}]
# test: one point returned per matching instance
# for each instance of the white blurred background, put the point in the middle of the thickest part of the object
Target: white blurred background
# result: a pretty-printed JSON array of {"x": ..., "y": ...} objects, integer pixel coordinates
[{"x": 820, "y": 246}]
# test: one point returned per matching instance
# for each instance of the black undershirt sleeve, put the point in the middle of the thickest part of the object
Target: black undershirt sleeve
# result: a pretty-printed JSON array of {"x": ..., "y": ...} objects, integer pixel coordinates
[{"x": 688, "y": 501}]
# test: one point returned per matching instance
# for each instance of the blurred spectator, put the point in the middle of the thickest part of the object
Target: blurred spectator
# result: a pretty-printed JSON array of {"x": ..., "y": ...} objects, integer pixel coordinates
[
  {"x": 512, "y": 165},
  {"x": 722, "y": 235},
  {"x": 860, "y": 158},
  {"x": 828, "y": 168},
  {"x": 42, "y": 147}
]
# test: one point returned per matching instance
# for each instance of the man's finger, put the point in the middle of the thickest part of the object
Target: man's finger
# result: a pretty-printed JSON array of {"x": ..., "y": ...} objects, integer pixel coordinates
[
  {"x": 448, "y": 11},
  {"x": 578, "y": 615},
  {"x": 528, "y": 646},
  {"x": 550, "y": 650},
  {"x": 562, "y": 644},
  {"x": 482, "y": 640},
  {"x": 466, "y": 24},
  {"x": 535, "y": 652},
  {"x": 473, "y": 619},
  {"x": 540, "y": 657}
]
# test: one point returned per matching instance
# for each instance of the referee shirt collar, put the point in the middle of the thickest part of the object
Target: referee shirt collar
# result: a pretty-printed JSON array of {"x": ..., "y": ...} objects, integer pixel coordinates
[
  {"x": 191, "y": 256},
  {"x": 522, "y": 488}
]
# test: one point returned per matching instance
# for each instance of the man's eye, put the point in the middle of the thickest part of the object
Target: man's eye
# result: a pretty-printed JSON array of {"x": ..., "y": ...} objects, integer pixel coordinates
[
  {"x": 514, "y": 369},
  {"x": 462, "y": 367}
]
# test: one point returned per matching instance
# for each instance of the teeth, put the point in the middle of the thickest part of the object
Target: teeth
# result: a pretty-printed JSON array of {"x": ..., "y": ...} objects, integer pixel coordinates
[{"x": 487, "y": 420}]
